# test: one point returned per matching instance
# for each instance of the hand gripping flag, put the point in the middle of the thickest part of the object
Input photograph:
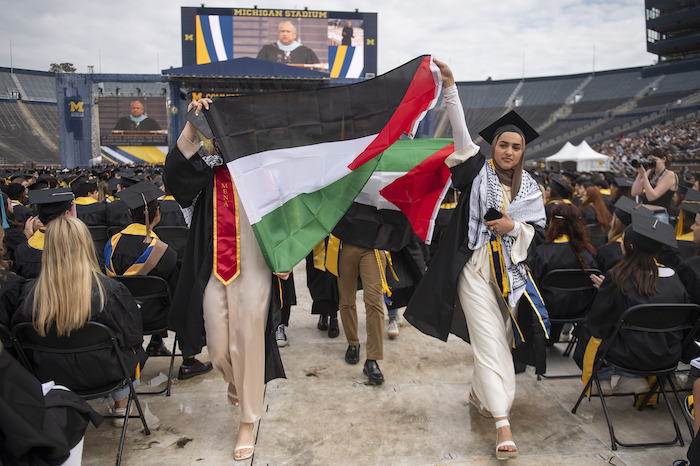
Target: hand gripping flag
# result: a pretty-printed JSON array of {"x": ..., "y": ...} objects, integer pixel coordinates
[{"x": 299, "y": 159}]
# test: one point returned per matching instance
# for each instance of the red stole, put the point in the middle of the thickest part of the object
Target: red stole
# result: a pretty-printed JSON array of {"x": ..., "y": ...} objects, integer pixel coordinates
[{"x": 227, "y": 240}]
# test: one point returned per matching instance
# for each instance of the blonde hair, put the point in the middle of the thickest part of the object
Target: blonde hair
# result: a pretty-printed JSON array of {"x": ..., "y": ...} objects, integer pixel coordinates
[{"x": 69, "y": 267}]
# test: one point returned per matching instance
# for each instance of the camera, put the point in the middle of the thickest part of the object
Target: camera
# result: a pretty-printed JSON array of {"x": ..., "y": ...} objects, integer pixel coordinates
[{"x": 646, "y": 163}]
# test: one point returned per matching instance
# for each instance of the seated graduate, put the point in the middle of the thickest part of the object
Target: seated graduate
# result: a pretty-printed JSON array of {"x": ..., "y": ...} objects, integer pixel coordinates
[
  {"x": 18, "y": 197},
  {"x": 636, "y": 279},
  {"x": 687, "y": 247},
  {"x": 70, "y": 291},
  {"x": 11, "y": 288},
  {"x": 116, "y": 212},
  {"x": 39, "y": 424},
  {"x": 87, "y": 206},
  {"x": 558, "y": 190},
  {"x": 136, "y": 250},
  {"x": 596, "y": 215},
  {"x": 688, "y": 268},
  {"x": 51, "y": 204},
  {"x": 14, "y": 231},
  {"x": 170, "y": 212},
  {"x": 611, "y": 253},
  {"x": 566, "y": 246}
]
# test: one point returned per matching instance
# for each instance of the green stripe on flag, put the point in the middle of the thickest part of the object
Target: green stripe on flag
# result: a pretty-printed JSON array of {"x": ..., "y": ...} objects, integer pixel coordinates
[
  {"x": 287, "y": 234},
  {"x": 405, "y": 154}
]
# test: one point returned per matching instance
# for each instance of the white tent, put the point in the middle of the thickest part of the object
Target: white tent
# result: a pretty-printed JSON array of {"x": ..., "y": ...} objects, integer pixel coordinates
[{"x": 579, "y": 158}]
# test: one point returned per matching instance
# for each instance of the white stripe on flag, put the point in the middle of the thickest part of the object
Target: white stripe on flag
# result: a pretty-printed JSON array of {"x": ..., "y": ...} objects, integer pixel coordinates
[
  {"x": 116, "y": 155},
  {"x": 370, "y": 193},
  {"x": 437, "y": 78},
  {"x": 267, "y": 180},
  {"x": 215, "y": 28},
  {"x": 357, "y": 65}
]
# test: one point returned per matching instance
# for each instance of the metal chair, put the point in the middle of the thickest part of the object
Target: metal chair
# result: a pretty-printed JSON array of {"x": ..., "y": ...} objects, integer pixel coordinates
[
  {"x": 92, "y": 337},
  {"x": 149, "y": 290},
  {"x": 175, "y": 237},
  {"x": 649, "y": 318},
  {"x": 564, "y": 282}
]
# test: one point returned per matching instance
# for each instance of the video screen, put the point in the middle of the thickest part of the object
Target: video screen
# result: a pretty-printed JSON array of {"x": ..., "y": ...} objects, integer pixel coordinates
[
  {"x": 133, "y": 121},
  {"x": 343, "y": 44}
]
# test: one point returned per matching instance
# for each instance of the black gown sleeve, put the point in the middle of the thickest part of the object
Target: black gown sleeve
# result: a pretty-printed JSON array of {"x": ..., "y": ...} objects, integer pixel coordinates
[{"x": 184, "y": 178}]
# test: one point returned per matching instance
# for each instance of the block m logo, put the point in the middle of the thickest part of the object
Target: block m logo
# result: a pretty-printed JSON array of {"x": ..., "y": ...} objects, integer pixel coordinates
[{"x": 76, "y": 107}]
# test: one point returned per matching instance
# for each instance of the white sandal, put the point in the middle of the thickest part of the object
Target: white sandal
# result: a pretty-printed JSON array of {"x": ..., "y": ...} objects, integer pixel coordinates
[
  {"x": 505, "y": 454},
  {"x": 246, "y": 456},
  {"x": 474, "y": 401},
  {"x": 232, "y": 396}
]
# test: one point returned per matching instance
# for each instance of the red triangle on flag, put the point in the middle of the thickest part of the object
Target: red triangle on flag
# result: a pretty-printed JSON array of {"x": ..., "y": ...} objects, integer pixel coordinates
[{"x": 419, "y": 192}]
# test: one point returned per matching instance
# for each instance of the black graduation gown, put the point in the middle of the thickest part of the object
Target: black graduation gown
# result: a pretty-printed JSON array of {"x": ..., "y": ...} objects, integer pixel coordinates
[
  {"x": 121, "y": 314},
  {"x": 129, "y": 248},
  {"x": 649, "y": 350},
  {"x": 434, "y": 308},
  {"x": 186, "y": 180},
  {"x": 608, "y": 256},
  {"x": 11, "y": 290},
  {"x": 13, "y": 238},
  {"x": 92, "y": 214},
  {"x": 117, "y": 214},
  {"x": 409, "y": 266},
  {"x": 551, "y": 256},
  {"x": 22, "y": 213},
  {"x": 37, "y": 429},
  {"x": 27, "y": 261},
  {"x": 170, "y": 214}
]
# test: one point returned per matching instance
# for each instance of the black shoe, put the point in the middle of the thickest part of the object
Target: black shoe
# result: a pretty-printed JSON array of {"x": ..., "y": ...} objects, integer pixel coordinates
[
  {"x": 322, "y": 322},
  {"x": 157, "y": 349},
  {"x": 198, "y": 368},
  {"x": 352, "y": 355},
  {"x": 333, "y": 330},
  {"x": 371, "y": 370}
]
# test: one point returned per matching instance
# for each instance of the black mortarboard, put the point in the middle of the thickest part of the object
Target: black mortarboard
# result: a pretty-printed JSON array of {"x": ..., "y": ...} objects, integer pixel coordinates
[
  {"x": 50, "y": 196},
  {"x": 129, "y": 179},
  {"x": 511, "y": 121},
  {"x": 683, "y": 187},
  {"x": 41, "y": 183},
  {"x": 140, "y": 194},
  {"x": 691, "y": 203},
  {"x": 624, "y": 208},
  {"x": 561, "y": 185},
  {"x": 648, "y": 233},
  {"x": 622, "y": 182}
]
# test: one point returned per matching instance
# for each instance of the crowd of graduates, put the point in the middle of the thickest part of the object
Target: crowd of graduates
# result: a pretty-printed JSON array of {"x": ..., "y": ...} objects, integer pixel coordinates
[{"x": 588, "y": 216}]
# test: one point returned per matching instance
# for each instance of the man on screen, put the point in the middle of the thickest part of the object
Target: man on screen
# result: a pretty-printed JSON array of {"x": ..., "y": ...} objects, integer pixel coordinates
[
  {"x": 347, "y": 34},
  {"x": 137, "y": 120},
  {"x": 286, "y": 49}
]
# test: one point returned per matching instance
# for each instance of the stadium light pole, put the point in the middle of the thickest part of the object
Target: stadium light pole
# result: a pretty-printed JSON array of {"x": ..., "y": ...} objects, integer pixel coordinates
[{"x": 12, "y": 70}]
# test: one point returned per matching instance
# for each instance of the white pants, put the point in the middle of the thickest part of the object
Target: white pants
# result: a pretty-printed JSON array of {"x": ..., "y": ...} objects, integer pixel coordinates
[
  {"x": 488, "y": 321},
  {"x": 235, "y": 317}
]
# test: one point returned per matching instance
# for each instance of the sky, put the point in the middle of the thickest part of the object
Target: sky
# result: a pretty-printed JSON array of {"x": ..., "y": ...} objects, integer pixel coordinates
[{"x": 479, "y": 39}]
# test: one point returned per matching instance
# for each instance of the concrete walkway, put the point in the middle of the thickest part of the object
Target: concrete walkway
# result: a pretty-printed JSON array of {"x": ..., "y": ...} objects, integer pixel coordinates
[{"x": 325, "y": 414}]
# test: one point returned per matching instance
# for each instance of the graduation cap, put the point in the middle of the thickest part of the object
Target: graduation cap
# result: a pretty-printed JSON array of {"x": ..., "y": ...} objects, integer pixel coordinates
[
  {"x": 624, "y": 208},
  {"x": 128, "y": 179},
  {"x": 560, "y": 184},
  {"x": 41, "y": 183},
  {"x": 140, "y": 194},
  {"x": 683, "y": 187},
  {"x": 691, "y": 203},
  {"x": 511, "y": 121},
  {"x": 622, "y": 182},
  {"x": 649, "y": 233},
  {"x": 50, "y": 203}
]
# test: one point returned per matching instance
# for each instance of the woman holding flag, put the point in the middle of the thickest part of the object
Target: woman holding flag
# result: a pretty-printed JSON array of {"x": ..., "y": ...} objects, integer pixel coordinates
[{"x": 478, "y": 274}]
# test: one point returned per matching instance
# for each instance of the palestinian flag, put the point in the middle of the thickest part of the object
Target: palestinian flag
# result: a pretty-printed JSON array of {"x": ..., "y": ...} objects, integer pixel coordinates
[
  {"x": 299, "y": 159},
  {"x": 402, "y": 195}
]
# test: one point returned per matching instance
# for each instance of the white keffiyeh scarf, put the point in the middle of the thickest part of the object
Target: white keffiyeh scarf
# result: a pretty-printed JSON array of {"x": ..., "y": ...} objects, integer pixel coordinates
[{"x": 527, "y": 206}]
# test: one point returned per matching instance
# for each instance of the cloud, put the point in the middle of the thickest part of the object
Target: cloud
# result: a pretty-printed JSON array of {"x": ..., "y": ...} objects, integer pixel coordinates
[{"x": 478, "y": 39}]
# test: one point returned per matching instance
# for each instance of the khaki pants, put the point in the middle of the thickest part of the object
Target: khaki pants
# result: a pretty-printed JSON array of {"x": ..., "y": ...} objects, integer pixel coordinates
[
  {"x": 235, "y": 317},
  {"x": 355, "y": 261}
]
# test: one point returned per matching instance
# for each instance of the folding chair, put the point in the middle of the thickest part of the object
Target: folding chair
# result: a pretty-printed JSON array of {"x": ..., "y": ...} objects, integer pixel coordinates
[
  {"x": 94, "y": 336},
  {"x": 175, "y": 237},
  {"x": 99, "y": 237},
  {"x": 649, "y": 318},
  {"x": 145, "y": 289},
  {"x": 563, "y": 282}
]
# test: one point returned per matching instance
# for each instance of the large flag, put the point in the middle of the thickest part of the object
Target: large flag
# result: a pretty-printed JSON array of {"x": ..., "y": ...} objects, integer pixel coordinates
[
  {"x": 403, "y": 194},
  {"x": 299, "y": 159}
]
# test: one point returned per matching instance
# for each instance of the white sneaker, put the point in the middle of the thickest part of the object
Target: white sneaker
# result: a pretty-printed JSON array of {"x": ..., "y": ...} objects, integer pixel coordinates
[
  {"x": 280, "y": 336},
  {"x": 393, "y": 329},
  {"x": 634, "y": 385},
  {"x": 119, "y": 421},
  {"x": 605, "y": 387}
]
